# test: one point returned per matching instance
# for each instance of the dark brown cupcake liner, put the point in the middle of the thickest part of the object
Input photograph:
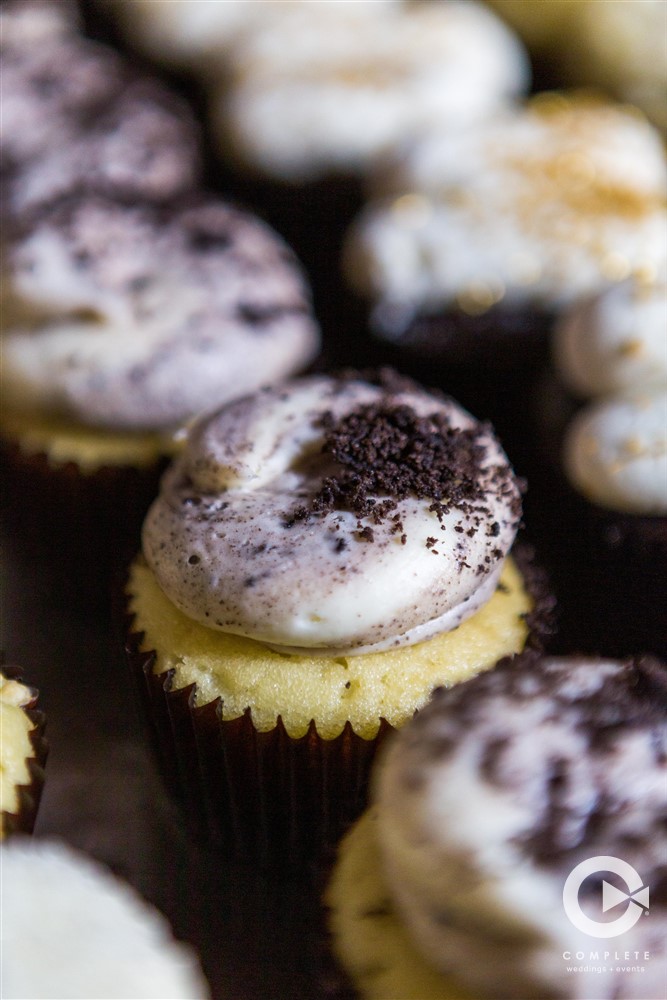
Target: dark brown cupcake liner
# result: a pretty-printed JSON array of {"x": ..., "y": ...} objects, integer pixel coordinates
[
  {"x": 23, "y": 820},
  {"x": 79, "y": 528},
  {"x": 265, "y": 796}
]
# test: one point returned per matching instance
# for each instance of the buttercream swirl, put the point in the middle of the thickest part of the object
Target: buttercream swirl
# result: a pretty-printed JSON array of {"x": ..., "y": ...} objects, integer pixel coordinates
[
  {"x": 254, "y": 533},
  {"x": 141, "y": 318}
]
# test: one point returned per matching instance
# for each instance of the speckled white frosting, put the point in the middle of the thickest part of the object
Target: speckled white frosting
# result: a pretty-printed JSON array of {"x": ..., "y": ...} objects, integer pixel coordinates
[
  {"x": 615, "y": 451},
  {"x": 71, "y": 929},
  {"x": 545, "y": 205},
  {"x": 485, "y": 807},
  {"x": 137, "y": 318},
  {"x": 315, "y": 94},
  {"x": 201, "y": 33},
  {"x": 226, "y": 548},
  {"x": 614, "y": 341}
]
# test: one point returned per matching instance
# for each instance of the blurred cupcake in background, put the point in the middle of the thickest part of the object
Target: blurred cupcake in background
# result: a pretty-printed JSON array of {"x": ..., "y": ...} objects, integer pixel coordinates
[
  {"x": 77, "y": 117},
  {"x": 316, "y": 95},
  {"x": 620, "y": 45},
  {"x": 321, "y": 557},
  {"x": 23, "y": 753},
  {"x": 72, "y": 929},
  {"x": 601, "y": 434},
  {"x": 121, "y": 323},
  {"x": 477, "y": 241}
]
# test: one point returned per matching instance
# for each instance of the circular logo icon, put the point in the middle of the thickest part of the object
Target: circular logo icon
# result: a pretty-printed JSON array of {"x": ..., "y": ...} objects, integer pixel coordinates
[{"x": 636, "y": 897}]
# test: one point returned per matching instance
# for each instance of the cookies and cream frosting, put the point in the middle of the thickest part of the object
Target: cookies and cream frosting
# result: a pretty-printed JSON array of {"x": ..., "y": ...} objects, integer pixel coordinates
[
  {"x": 493, "y": 794},
  {"x": 615, "y": 451},
  {"x": 334, "y": 515},
  {"x": 614, "y": 341},
  {"x": 141, "y": 318},
  {"x": 545, "y": 204},
  {"x": 313, "y": 93},
  {"x": 72, "y": 929},
  {"x": 76, "y": 117}
]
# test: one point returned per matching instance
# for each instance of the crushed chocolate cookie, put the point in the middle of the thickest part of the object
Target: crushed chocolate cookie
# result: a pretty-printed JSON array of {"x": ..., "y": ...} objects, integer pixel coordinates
[{"x": 388, "y": 449}]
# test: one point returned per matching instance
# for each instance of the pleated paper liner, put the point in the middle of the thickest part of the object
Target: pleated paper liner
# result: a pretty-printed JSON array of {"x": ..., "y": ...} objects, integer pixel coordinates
[
  {"x": 78, "y": 527},
  {"x": 263, "y": 797},
  {"x": 23, "y": 819}
]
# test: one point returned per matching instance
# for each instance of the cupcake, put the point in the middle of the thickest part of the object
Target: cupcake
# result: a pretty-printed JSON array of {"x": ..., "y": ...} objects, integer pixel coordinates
[
  {"x": 478, "y": 241},
  {"x": 22, "y": 756},
  {"x": 314, "y": 96},
  {"x": 322, "y": 555},
  {"x": 77, "y": 118},
  {"x": 71, "y": 929},
  {"x": 601, "y": 422},
  {"x": 511, "y": 819},
  {"x": 120, "y": 324}
]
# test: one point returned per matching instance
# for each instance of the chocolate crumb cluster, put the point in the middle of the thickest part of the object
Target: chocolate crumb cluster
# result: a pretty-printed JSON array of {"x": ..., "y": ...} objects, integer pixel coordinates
[{"x": 386, "y": 449}]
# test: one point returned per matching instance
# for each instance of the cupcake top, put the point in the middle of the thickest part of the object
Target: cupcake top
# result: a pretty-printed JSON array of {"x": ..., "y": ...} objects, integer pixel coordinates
[
  {"x": 498, "y": 790},
  {"x": 542, "y": 205},
  {"x": 614, "y": 341},
  {"x": 92, "y": 935},
  {"x": 17, "y": 725},
  {"x": 143, "y": 145},
  {"x": 139, "y": 317},
  {"x": 335, "y": 514},
  {"x": 314, "y": 94},
  {"x": 615, "y": 451},
  {"x": 54, "y": 80},
  {"x": 75, "y": 117}
]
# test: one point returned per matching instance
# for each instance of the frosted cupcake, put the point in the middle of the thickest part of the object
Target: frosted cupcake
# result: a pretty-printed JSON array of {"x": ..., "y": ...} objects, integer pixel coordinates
[
  {"x": 77, "y": 118},
  {"x": 316, "y": 95},
  {"x": 455, "y": 884},
  {"x": 22, "y": 756},
  {"x": 602, "y": 419},
  {"x": 120, "y": 325},
  {"x": 94, "y": 936},
  {"x": 481, "y": 239},
  {"x": 322, "y": 555}
]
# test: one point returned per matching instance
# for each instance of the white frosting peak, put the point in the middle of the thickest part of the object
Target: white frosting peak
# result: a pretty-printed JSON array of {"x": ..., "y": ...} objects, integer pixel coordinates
[{"x": 235, "y": 545}]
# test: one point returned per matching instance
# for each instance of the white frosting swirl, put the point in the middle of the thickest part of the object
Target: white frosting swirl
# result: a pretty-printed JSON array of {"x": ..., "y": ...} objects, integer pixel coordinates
[
  {"x": 138, "y": 318},
  {"x": 201, "y": 33},
  {"x": 227, "y": 549},
  {"x": 314, "y": 94},
  {"x": 615, "y": 452},
  {"x": 546, "y": 204},
  {"x": 614, "y": 341}
]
